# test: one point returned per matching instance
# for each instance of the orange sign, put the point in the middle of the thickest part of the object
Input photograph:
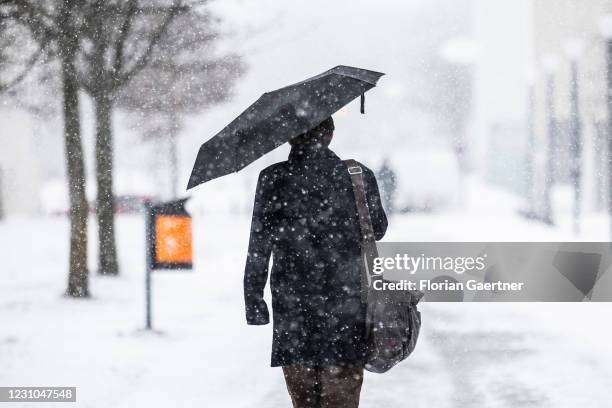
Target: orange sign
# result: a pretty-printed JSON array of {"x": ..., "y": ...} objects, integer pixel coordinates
[{"x": 173, "y": 239}]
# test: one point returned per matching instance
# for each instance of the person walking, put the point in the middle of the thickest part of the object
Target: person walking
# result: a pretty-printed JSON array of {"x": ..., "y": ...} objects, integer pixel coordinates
[
  {"x": 388, "y": 185},
  {"x": 305, "y": 219}
]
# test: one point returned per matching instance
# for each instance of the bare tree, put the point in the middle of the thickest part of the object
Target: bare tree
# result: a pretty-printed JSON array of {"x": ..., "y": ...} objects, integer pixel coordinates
[
  {"x": 121, "y": 39},
  {"x": 117, "y": 44},
  {"x": 186, "y": 75},
  {"x": 100, "y": 46},
  {"x": 55, "y": 27},
  {"x": 19, "y": 53}
]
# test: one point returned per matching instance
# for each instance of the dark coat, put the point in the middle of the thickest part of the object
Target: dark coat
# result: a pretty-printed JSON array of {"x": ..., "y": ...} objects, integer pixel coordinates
[{"x": 306, "y": 218}]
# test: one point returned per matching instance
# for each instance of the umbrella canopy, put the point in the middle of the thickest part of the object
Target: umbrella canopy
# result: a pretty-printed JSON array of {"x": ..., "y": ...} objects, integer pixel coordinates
[{"x": 277, "y": 117}]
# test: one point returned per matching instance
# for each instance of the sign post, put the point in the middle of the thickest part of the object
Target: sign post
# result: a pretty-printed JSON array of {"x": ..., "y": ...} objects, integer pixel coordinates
[{"x": 169, "y": 244}]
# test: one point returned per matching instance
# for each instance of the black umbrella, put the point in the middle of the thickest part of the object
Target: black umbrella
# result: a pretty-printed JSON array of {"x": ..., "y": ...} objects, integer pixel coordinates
[{"x": 277, "y": 117}]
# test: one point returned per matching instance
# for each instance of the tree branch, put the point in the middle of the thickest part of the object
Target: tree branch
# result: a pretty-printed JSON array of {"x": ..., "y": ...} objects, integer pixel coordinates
[
  {"x": 173, "y": 11},
  {"x": 36, "y": 17},
  {"x": 123, "y": 35},
  {"x": 26, "y": 70}
]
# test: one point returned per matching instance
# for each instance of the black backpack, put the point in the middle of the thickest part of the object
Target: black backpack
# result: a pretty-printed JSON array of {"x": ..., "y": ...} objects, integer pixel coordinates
[{"x": 393, "y": 321}]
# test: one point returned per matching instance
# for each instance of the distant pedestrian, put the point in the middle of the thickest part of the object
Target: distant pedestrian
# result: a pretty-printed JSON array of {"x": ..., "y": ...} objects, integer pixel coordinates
[
  {"x": 305, "y": 218},
  {"x": 388, "y": 185}
]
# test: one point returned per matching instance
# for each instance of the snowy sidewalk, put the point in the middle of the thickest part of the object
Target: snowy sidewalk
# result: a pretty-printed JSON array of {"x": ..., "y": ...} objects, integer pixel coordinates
[{"x": 469, "y": 355}]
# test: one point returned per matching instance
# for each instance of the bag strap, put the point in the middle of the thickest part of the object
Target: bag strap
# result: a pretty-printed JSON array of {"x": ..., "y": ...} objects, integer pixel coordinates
[
  {"x": 369, "y": 251},
  {"x": 368, "y": 243}
]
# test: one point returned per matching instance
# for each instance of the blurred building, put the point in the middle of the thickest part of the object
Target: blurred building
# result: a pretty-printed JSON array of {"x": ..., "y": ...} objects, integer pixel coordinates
[
  {"x": 566, "y": 30},
  {"x": 563, "y": 31},
  {"x": 522, "y": 73},
  {"x": 19, "y": 177}
]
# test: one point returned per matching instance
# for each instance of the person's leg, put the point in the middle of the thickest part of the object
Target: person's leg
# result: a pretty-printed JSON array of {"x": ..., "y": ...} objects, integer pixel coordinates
[
  {"x": 340, "y": 386},
  {"x": 303, "y": 386}
]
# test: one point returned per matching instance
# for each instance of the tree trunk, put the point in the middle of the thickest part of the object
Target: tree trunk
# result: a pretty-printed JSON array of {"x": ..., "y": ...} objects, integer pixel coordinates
[
  {"x": 173, "y": 131},
  {"x": 530, "y": 154},
  {"x": 550, "y": 149},
  {"x": 78, "y": 273},
  {"x": 576, "y": 145},
  {"x": 1, "y": 194},
  {"x": 107, "y": 252},
  {"x": 609, "y": 128}
]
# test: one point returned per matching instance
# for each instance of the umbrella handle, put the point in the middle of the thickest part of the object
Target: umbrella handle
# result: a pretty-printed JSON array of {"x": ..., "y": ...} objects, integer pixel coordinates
[{"x": 362, "y": 104}]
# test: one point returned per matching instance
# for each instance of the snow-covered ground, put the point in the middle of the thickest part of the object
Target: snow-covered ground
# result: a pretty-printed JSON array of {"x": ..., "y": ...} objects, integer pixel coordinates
[{"x": 202, "y": 353}]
